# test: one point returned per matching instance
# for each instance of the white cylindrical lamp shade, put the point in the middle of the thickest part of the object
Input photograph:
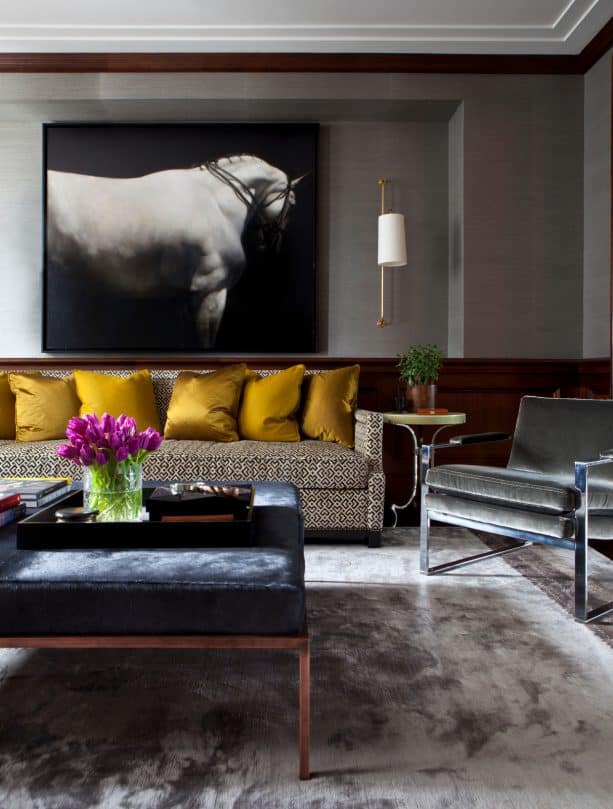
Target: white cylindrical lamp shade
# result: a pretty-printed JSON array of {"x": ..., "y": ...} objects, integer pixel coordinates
[{"x": 392, "y": 240}]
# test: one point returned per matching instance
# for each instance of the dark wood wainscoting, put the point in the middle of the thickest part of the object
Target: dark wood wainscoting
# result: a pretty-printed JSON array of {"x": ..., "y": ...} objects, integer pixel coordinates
[{"x": 487, "y": 390}]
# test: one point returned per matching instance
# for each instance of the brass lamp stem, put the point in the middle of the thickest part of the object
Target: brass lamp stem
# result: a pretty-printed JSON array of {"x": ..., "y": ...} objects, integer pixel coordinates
[
  {"x": 382, "y": 183},
  {"x": 381, "y": 322}
]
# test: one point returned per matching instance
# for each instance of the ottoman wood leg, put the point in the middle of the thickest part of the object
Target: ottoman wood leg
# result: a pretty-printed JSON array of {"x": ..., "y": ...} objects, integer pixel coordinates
[{"x": 304, "y": 710}]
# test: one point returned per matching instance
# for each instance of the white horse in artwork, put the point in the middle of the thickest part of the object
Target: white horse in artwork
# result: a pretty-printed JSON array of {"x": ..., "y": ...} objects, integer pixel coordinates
[{"x": 170, "y": 231}]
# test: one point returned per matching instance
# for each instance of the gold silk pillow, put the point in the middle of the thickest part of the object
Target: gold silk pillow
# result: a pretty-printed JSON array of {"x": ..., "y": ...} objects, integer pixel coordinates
[
  {"x": 329, "y": 404},
  {"x": 132, "y": 395},
  {"x": 205, "y": 406},
  {"x": 269, "y": 406},
  {"x": 43, "y": 405},
  {"x": 7, "y": 408}
]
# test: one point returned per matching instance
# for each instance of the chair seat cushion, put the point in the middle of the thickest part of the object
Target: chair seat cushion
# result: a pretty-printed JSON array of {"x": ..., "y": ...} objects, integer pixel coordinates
[
  {"x": 505, "y": 487},
  {"x": 556, "y": 526}
]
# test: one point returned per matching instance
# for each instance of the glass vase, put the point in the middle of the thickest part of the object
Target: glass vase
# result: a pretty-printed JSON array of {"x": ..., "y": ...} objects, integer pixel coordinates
[{"x": 115, "y": 490}]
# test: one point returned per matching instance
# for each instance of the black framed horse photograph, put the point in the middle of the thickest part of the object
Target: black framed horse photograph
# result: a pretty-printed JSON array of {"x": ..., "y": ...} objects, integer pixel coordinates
[{"x": 192, "y": 237}]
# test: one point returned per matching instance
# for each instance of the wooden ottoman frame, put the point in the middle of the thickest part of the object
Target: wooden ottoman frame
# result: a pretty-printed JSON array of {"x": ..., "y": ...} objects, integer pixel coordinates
[{"x": 298, "y": 642}]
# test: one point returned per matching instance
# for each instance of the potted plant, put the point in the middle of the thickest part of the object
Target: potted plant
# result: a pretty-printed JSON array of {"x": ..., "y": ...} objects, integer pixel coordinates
[{"x": 419, "y": 370}]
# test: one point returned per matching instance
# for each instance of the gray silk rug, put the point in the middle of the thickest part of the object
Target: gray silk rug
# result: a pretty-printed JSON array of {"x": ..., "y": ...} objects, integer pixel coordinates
[{"x": 471, "y": 690}]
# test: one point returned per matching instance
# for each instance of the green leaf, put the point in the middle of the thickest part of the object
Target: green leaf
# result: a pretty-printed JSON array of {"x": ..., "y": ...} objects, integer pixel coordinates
[{"x": 420, "y": 364}]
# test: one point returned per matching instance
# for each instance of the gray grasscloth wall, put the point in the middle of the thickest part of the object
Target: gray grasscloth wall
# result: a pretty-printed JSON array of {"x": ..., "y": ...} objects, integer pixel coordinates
[
  {"x": 597, "y": 209},
  {"x": 488, "y": 171}
]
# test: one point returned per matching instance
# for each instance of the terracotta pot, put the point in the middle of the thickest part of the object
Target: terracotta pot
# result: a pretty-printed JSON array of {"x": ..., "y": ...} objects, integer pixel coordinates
[{"x": 421, "y": 397}]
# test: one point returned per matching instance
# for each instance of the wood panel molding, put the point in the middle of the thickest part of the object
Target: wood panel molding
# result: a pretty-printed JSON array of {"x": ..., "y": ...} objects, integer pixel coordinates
[{"x": 287, "y": 63}]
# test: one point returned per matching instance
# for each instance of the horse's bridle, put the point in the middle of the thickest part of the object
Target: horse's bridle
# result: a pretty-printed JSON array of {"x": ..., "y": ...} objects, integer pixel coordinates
[{"x": 271, "y": 231}]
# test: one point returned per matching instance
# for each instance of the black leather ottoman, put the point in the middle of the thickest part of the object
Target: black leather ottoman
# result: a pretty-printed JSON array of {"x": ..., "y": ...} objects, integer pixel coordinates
[{"x": 185, "y": 598}]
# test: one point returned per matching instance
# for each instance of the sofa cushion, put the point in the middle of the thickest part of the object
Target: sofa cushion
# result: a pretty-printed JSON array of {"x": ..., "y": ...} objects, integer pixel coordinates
[
  {"x": 270, "y": 404},
  {"x": 34, "y": 459},
  {"x": 7, "y": 409},
  {"x": 43, "y": 405},
  {"x": 114, "y": 394},
  {"x": 205, "y": 406},
  {"x": 307, "y": 464},
  {"x": 329, "y": 404}
]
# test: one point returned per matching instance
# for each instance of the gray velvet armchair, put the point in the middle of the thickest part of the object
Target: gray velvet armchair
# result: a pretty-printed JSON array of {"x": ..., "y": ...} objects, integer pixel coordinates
[{"x": 557, "y": 488}]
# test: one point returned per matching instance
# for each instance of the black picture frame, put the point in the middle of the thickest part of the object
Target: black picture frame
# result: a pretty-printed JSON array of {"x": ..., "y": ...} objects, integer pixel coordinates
[{"x": 87, "y": 306}]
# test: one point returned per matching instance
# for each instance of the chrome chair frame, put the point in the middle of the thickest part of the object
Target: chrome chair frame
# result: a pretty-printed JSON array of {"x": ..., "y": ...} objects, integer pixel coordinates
[{"x": 580, "y": 516}]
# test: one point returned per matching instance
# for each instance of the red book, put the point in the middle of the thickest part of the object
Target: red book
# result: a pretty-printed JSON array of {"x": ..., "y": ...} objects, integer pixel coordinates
[{"x": 9, "y": 501}]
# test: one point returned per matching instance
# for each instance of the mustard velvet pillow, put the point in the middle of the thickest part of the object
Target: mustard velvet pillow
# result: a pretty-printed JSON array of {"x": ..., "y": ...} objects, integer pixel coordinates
[
  {"x": 132, "y": 395},
  {"x": 43, "y": 405},
  {"x": 269, "y": 406},
  {"x": 7, "y": 409},
  {"x": 329, "y": 405},
  {"x": 205, "y": 406}
]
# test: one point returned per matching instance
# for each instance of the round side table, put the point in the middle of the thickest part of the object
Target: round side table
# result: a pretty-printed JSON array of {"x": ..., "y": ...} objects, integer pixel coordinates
[{"x": 414, "y": 422}]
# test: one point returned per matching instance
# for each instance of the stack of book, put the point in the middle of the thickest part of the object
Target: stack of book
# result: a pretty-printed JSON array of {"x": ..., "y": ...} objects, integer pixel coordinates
[
  {"x": 32, "y": 493},
  {"x": 11, "y": 508}
]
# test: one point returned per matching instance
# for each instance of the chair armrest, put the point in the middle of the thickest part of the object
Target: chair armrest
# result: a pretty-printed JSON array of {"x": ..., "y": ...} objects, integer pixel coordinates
[
  {"x": 475, "y": 438},
  {"x": 478, "y": 438},
  {"x": 369, "y": 436},
  {"x": 602, "y": 461},
  {"x": 582, "y": 470}
]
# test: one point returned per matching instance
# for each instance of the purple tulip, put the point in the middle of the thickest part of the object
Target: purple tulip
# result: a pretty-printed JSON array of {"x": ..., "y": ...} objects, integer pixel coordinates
[
  {"x": 87, "y": 455},
  {"x": 104, "y": 440},
  {"x": 107, "y": 423},
  {"x": 68, "y": 452},
  {"x": 121, "y": 454},
  {"x": 76, "y": 426},
  {"x": 126, "y": 423},
  {"x": 155, "y": 441},
  {"x": 133, "y": 445},
  {"x": 114, "y": 440},
  {"x": 150, "y": 439},
  {"x": 92, "y": 434}
]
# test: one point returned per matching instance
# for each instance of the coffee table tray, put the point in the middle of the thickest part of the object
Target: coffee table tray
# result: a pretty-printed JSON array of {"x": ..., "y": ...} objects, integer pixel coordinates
[{"x": 41, "y": 531}]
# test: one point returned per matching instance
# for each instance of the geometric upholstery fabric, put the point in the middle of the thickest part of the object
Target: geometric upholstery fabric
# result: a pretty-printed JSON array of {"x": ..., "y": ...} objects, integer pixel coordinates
[
  {"x": 34, "y": 459},
  {"x": 335, "y": 510},
  {"x": 306, "y": 464}
]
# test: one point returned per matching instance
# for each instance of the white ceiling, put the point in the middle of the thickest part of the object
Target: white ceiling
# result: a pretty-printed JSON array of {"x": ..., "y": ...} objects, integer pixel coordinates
[{"x": 386, "y": 26}]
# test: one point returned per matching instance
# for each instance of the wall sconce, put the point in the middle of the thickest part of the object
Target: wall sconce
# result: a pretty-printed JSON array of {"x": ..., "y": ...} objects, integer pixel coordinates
[{"x": 392, "y": 250}]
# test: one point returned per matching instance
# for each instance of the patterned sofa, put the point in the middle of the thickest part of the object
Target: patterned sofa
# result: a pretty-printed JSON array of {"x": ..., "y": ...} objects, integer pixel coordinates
[{"x": 342, "y": 490}]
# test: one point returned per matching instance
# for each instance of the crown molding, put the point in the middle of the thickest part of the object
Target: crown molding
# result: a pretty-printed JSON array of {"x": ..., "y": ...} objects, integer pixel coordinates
[
  {"x": 569, "y": 26},
  {"x": 278, "y": 62}
]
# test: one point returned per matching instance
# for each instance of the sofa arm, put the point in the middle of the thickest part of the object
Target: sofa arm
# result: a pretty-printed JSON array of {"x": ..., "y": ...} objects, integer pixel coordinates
[{"x": 369, "y": 437}]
